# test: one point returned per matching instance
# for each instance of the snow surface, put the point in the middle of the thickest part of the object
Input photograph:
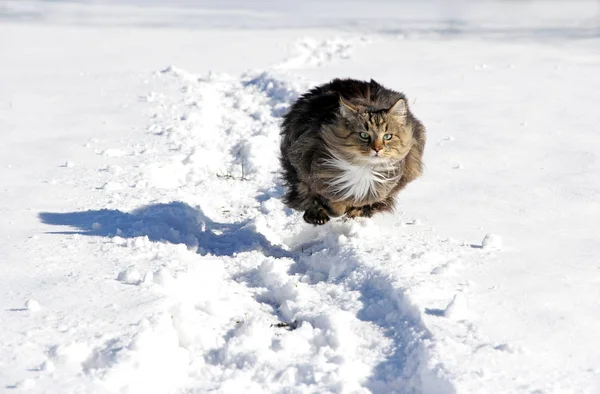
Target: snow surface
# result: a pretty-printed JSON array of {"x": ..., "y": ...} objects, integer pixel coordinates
[{"x": 145, "y": 247}]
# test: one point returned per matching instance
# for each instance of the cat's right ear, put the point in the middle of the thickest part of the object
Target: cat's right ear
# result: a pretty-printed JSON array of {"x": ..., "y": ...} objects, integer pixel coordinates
[
  {"x": 399, "y": 109},
  {"x": 346, "y": 109}
]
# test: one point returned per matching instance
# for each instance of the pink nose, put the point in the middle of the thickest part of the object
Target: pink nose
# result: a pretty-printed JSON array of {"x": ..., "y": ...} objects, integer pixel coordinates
[{"x": 377, "y": 148}]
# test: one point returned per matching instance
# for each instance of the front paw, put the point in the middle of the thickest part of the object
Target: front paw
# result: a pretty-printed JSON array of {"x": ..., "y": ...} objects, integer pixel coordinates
[{"x": 316, "y": 217}]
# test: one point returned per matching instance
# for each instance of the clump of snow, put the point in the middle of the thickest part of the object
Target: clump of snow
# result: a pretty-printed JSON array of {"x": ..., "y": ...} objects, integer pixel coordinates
[
  {"x": 139, "y": 242},
  {"x": 458, "y": 308},
  {"x": 47, "y": 366},
  {"x": 130, "y": 276},
  {"x": 148, "y": 277},
  {"x": 162, "y": 277},
  {"x": 32, "y": 305},
  {"x": 492, "y": 242}
]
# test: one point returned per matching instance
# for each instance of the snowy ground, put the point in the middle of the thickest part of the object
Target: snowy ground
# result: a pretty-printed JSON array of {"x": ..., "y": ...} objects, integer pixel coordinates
[{"x": 144, "y": 247}]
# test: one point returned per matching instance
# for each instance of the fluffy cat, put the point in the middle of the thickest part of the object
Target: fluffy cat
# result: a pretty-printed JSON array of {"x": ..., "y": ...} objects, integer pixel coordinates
[{"x": 347, "y": 148}]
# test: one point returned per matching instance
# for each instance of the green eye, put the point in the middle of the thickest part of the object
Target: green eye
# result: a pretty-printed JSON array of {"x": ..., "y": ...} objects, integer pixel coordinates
[
  {"x": 364, "y": 136},
  {"x": 387, "y": 137}
]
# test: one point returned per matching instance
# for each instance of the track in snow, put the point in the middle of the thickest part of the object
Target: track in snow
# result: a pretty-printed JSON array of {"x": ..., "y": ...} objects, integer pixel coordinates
[{"x": 231, "y": 262}]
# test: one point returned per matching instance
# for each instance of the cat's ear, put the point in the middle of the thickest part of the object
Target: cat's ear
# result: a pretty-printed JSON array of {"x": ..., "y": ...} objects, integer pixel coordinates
[
  {"x": 399, "y": 109},
  {"x": 346, "y": 109}
]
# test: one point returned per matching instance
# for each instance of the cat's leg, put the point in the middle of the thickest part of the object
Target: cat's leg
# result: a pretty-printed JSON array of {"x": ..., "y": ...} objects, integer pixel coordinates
[
  {"x": 299, "y": 196},
  {"x": 354, "y": 212},
  {"x": 322, "y": 209},
  {"x": 333, "y": 208},
  {"x": 368, "y": 211}
]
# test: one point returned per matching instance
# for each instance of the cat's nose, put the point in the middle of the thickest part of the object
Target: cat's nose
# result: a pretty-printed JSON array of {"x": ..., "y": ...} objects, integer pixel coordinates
[{"x": 377, "y": 148}]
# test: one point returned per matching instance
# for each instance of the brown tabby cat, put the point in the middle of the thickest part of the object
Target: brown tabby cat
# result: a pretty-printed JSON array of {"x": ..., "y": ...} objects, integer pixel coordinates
[{"x": 348, "y": 147}]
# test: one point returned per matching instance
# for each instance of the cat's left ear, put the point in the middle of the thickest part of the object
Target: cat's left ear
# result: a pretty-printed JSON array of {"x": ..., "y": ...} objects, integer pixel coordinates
[
  {"x": 346, "y": 109},
  {"x": 399, "y": 109}
]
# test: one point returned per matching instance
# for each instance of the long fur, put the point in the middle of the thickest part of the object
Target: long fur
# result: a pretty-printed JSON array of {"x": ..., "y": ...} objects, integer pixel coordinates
[
  {"x": 329, "y": 170},
  {"x": 357, "y": 182}
]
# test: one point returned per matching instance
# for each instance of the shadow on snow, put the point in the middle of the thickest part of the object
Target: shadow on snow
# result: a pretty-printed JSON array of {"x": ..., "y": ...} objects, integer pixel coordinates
[{"x": 174, "y": 222}]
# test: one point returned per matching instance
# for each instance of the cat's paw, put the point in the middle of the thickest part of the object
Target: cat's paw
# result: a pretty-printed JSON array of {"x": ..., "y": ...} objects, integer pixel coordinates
[{"x": 316, "y": 217}]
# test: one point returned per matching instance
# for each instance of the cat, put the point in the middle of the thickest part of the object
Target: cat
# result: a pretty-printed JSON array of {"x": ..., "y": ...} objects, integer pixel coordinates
[{"x": 347, "y": 148}]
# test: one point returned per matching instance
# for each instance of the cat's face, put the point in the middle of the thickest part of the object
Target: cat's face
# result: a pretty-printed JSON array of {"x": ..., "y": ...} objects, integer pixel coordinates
[{"x": 373, "y": 136}]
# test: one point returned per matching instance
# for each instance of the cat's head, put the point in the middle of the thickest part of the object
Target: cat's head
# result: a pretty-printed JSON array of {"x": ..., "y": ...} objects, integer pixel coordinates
[{"x": 372, "y": 135}]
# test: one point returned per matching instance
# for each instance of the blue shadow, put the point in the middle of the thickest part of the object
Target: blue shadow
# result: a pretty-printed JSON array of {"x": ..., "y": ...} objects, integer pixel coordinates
[{"x": 175, "y": 222}]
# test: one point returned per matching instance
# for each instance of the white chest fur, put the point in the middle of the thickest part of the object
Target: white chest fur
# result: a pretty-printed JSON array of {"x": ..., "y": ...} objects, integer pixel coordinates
[{"x": 359, "y": 182}]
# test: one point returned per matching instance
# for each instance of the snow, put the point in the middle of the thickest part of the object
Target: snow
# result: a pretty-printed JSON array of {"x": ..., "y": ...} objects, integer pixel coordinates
[
  {"x": 165, "y": 261},
  {"x": 131, "y": 276},
  {"x": 32, "y": 305},
  {"x": 458, "y": 308},
  {"x": 492, "y": 241}
]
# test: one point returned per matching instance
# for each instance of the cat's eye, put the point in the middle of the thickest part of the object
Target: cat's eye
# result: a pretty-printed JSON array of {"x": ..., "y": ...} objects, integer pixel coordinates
[
  {"x": 364, "y": 136},
  {"x": 387, "y": 137}
]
